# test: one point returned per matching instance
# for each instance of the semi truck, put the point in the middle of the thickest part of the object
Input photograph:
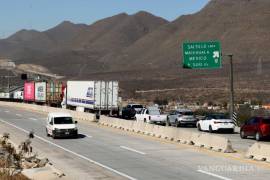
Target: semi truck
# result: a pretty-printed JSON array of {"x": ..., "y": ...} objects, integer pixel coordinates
[{"x": 101, "y": 96}]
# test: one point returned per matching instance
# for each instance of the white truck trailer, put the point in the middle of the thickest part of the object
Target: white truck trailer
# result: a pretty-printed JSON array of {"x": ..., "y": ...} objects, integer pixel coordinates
[{"x": 92, "y": 95}]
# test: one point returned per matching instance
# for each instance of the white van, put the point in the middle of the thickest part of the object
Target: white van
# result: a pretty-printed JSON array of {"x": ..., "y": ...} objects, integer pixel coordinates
[{"x": 61, "y": 125}]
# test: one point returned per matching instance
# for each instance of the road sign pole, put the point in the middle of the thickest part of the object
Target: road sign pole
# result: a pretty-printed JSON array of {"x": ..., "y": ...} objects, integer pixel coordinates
[
  {"x": 231, "y": 87},
  {"x": 8, "y": 82}
]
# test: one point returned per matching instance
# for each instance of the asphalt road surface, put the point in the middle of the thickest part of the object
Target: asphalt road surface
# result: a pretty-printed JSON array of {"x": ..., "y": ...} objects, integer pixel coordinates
[{"x": 104, "y": 153}]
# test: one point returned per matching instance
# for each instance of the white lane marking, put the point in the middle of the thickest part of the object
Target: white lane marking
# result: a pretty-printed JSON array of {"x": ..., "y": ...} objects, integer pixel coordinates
[
  {"x": 74, "y": 153},
  {"x": 214, "y": 175},
  {"x": 34, "y": 119},
  {"x": 133, "y": 150},
  {"x": 7, "y": 111},
  {"x": 19, "y": 115}
]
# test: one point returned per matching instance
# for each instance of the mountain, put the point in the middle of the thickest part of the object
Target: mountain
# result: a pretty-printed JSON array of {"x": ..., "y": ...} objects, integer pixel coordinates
[
  {"x": 64, "y": 33},
  {"x": 143, "y": 51},
  {"x": 80, "y": 55}
]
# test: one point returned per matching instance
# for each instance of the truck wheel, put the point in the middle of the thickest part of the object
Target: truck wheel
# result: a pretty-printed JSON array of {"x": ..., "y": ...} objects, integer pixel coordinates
[
  {"x": 210, "y": 129},
  {"x": 144, "y": 120},
  {"x": 199, "y": 127},
  {"x": 53, "y": 136}
]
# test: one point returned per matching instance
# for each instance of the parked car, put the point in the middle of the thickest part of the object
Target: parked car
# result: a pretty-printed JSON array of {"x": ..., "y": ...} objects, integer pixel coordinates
[
  {"x": 182, "y": 117},
  {"x": 258, "y": 127},
  {"x": 131, "y": 110},
  {"x": 216, "y": 122},
  {"x": 151, "y": 115},
  {"x": 61, "y": 125}
]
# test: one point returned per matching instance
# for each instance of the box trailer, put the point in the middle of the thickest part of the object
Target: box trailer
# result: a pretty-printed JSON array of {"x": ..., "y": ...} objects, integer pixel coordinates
[
  {"x": 18, "y": 95},
  {"x": 93, "y": 95},
  {"x": 54, "y": 92},
  {"x": 40, "y": 92},
  {"x": 29, "y": 91}
]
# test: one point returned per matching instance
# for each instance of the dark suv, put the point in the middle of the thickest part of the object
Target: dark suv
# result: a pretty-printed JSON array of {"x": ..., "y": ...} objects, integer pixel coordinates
[
  {"x": 130, "y": 110},
  {"x": 258, "y": 127}
]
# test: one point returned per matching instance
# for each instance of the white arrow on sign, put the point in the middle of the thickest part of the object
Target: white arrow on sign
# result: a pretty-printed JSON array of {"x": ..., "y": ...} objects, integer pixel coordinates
[{"x": 216, "y": 54}]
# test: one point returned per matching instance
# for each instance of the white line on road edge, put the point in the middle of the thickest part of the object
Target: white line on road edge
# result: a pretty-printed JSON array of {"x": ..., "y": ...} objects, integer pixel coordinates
[
  {"x": 215, "y": 175},
  {"x": 7, "y": 111},
  {"x": 19, "y": 115},
  {"x": 34, "y": 119},
  {"x": 133, "y": 150},
  {"x": 74, "y": 153},
  {"x": 88, "y": 136}
]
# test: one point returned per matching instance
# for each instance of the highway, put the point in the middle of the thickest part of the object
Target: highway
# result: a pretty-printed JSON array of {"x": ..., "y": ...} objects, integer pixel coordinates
[{"x": 105, "y": 153}]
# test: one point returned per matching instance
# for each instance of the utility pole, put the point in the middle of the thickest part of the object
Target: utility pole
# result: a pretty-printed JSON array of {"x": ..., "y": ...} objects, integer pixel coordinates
[
  {"x": 8, "y": 82},
  {"x": 231, "y": 87}
]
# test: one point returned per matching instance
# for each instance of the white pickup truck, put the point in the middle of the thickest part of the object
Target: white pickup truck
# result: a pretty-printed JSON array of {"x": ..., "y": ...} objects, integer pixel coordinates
[{"x": 151, "y": 115}]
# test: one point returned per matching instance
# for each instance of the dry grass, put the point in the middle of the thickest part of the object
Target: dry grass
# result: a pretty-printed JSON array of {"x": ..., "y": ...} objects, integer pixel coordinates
[{"x": 8, "y": 166}]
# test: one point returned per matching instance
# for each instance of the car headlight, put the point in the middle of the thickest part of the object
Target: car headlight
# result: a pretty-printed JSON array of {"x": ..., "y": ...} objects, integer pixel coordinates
[{"x": 57, "y": 129}]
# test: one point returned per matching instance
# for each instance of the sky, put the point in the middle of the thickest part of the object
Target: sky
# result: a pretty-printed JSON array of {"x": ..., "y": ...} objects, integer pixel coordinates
[{"x": 44, "y": 14}]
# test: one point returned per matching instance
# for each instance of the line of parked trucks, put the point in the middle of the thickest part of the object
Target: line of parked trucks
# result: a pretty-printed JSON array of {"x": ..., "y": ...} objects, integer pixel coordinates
[{"x": 79, "y": 95}]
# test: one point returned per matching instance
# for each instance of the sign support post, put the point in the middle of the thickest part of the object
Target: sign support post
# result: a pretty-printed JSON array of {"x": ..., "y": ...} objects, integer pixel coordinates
[{"x": 231, "y": 87}]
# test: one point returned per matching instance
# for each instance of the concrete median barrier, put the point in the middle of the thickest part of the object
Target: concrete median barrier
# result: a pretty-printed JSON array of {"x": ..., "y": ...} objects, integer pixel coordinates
[
  {"x": 213, "y": 142},
  {"x": 157, "y": 131},
  {"x": 148, "y": 129},
  {"x": 259, "y": 151},
  {"x": 169, "y": 133},
  {"x": 138, "y": 127},
  {"x": 184, "y": 137},
  {"x": 205, "y": 140}
]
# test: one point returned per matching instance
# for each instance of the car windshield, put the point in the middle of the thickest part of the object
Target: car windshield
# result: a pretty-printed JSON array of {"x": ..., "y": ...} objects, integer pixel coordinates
[
  {"x": 154, "y": 112},
  {"x": 266, "y": 121},
  {"x": 218, "y": 116},
  {"x": 137, "y": 106},
  {"x": 63, "y": 120}
]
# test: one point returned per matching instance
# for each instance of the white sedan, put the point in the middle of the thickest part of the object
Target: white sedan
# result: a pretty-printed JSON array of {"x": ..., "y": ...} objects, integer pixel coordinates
[{"x": 216, "y": 122}]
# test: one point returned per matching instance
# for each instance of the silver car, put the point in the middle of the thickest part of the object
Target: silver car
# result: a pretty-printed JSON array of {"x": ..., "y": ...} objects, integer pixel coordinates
[{"x": 182, "y": 117}]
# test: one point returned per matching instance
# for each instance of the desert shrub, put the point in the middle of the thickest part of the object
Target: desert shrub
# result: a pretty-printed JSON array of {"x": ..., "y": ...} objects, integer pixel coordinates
[{"x": 243, "y": 114}]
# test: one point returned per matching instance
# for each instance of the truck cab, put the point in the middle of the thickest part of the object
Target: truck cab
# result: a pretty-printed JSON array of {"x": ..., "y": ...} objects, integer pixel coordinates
[
  {"x": 61, "y": 125},
  {"x": 131, "y": 110}
]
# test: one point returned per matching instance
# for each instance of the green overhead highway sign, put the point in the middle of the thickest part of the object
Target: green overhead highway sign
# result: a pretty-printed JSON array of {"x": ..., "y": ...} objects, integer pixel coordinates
[{"x": 201, "y": 55}]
